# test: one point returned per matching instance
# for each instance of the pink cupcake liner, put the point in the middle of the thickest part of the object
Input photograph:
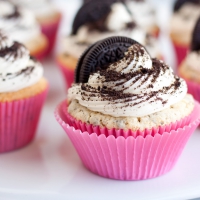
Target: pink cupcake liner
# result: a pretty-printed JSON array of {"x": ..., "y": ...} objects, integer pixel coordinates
[
  {"x": 194, "y": 89},
  {"x": 181, "y": 52},
  {"x": 120, "y": 132},
  {"x": 68, "y": 74},
  {"x": 133, "y": 157},
  {"x": 50, "y": 31},
  {"x": 18, "y": 121}
]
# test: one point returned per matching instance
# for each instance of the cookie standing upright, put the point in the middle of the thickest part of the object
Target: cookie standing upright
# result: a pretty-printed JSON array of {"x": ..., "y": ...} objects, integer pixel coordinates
[
  {"x": 186, "y": 13},
  {"x": 128, "y": 115},
  {"x": 22, "y": 93},
  {"x": 97, "y": 20}
]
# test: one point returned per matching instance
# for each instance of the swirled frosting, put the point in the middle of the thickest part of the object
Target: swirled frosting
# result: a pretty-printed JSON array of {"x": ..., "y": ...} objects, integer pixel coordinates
[
  {"x": 17, "y": 69},
  {"x": 18, "y": 23},
  {"x": 134, "y": 86},
  {"x": 39, "y": 7},
  {"x": 118, "y": 22}
]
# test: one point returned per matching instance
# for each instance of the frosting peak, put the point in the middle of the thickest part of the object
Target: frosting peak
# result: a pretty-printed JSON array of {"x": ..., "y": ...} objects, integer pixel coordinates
[
  {"x": 134, "y": 86},
  {"x": 17, "y": 69}
]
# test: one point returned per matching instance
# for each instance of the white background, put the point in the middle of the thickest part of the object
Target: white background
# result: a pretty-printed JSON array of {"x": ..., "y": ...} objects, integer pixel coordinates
[{"x": 49, "y": 167}]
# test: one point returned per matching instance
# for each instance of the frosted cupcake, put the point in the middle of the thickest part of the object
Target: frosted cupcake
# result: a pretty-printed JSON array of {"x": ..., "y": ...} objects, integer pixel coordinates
[
  {"x": 186, "y": 13},
  {"x": 47, "y": 15},
  {"x": 95, "y": 21},
  {"x": 190, "y": 67},
  {"x": 21, "y": 25},
  {"x": 22, "y": 93},
  {"x": 128, "y": 116}
]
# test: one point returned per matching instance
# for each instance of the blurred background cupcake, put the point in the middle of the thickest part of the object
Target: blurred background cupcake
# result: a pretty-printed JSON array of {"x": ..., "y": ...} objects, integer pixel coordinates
[
  {"x": 20, "y": 24},
  {"x": 22, "y": 94},
  {"x": 186, "y": 13},
  {"x": 47, "y": 15},
  {"x": 190, "y": 67},
  {"x": 94, "y": 21}
]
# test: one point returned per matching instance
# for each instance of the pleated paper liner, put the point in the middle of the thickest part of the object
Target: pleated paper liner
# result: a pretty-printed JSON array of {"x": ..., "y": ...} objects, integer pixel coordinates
[
  {"x": 119, "y": 132},
  {"x": 181, "y": 52},
  {"x": 51, "y": 30},
  {"x": 133, "y": 157},
  {"x": 18, "y": 121}
]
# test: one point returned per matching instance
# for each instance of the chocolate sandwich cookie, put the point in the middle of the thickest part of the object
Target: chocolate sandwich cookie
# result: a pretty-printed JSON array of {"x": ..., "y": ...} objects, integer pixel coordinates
[
  {"x": 94, "y": 14},
  {"x": 179, "y": 3},
  {"x": 90, "y": 12},
  {"x": 195, "y": 44},
  {"x": 100, "y": 55}
]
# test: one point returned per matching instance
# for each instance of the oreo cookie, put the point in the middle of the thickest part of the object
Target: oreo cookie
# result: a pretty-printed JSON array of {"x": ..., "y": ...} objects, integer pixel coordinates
[
  {"x": 91, "y": 12},
  {"x": 179, "y": 3},
  {"x": 100, "y": 55},
  {"x": 195, "y": 43}
]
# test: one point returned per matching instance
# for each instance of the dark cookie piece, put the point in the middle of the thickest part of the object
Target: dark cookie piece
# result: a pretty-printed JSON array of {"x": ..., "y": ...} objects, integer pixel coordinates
[
  {"x": 91, "y": 12},
  {"x": 100, "y": 55},
  {"x": 195, "y": 44},
  {"x": 179, "y": 3},
  {"x": 15, "y": 14},
  {"x": 15, "y": 51}
]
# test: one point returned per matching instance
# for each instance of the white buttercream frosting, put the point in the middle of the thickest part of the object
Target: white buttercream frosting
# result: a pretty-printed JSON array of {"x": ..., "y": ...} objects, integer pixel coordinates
[
  {"x": 142, "y": 12},
  {"x": 18, "y": 23},
  {"x": 39, "y": 7},
  {"x": 17, "y": 69},
  {"x": 134, "y": 86},
  {"x": 193, "y": 61},
  {"x": 115, "y": 23}
]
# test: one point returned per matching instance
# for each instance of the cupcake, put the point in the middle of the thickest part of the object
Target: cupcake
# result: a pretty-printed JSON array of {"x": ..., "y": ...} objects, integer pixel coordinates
[
  {"x": 189, "y": 68},
  {"x": 127, "y": 114},
  {"x": 186, "y": 13},
  {"x": 47, "y": 15},
  {"x": 22, "y": 93},
  {"x": 97, "y": 20},
  {"x": 21, "y": 25}
]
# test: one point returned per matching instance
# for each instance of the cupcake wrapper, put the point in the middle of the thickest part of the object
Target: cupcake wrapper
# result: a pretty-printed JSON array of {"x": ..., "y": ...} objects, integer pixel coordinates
[
  {"x": 50, "y": 30},
  {"x": 181, "y": 52},
  {"x": 194, "y": 89},
  {"x": 130, "y": 158},
  {"x": 67, "y": 73},
  {"x": 120, "y": 132},
  {"x": 18, "y": 121}
]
